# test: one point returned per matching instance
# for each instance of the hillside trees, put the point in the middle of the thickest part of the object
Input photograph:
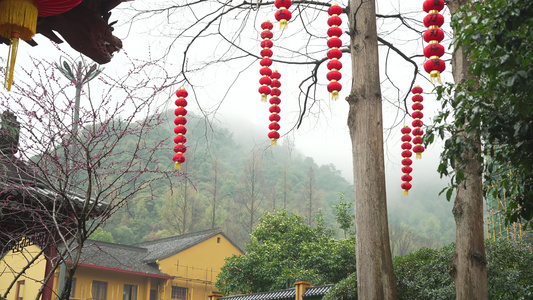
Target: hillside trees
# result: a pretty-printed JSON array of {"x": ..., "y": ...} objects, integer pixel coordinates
[{"x": 75, "y": 161}]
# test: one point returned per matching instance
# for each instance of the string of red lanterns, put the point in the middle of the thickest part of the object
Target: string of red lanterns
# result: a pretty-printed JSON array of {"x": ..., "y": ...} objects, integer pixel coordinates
[
  {"x": 180, "y": 129},
  {"x": 417, "y": 122},
  {"x": 266, "y": 61},
  {"x": 334, "y": 54},
  {"x": 406, "y": 161},
  {"x": 283, "y": 15},
  {"x": 434, "y": 35},
  {"x": 273, "y": 135}
]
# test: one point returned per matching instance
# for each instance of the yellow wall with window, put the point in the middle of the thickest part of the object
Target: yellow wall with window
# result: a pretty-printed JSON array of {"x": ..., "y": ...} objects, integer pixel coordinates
[
  {"x": 196, "y": 268},
  {"x": 14, "y": 261},
  {"x": 115, "y": 281}
]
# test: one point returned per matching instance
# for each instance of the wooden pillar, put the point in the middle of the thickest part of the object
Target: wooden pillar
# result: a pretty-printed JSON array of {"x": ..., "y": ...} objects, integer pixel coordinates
[{"x": 300, "y": 288}]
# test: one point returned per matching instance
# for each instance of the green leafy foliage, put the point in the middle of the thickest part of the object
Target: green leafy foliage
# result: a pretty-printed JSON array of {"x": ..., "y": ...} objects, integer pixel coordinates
[
  {"x": 344, "y": 215},
  {"x": 424, "y": 274},
  {"x": 346, "y": 289},
  {"x": 283, "y": 250},
  {"x": 495, "y": 107}
]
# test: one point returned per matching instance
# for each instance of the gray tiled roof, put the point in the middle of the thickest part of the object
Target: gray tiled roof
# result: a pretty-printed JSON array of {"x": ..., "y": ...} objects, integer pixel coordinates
[
  {"x": 163, "y": 248},
  {"x": 314, "y": 291},
  {"x": 275, "y": 295},
  {"x": 117, "y": 256}
]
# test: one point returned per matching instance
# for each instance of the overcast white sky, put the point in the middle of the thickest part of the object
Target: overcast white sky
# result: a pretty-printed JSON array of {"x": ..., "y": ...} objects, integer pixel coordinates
[{"x": 323, "y": 136}]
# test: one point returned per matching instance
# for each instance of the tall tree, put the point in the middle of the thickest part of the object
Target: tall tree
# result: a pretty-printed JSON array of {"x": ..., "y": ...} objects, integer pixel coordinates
[
  {"x": 310, "y": 196},
  {"x": 215, "y": 167},
  {"x": 251, "y": 189},
  {"x": 365, "y": 122}
]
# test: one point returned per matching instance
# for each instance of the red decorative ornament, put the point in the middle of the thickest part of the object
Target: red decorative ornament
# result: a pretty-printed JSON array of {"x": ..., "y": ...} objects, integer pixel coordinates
[
  {"x": 283, "y": 15},
  {"x": 406, "y": 161},
  {"x": 274, "y": 126},
  {"x": 433, "y": 36},
  {"x": 334, "y": 54},
  {"x": 417, "y": 122},
  {"x": 180, "y": 129},
  {"x": 266, "y": 61}
]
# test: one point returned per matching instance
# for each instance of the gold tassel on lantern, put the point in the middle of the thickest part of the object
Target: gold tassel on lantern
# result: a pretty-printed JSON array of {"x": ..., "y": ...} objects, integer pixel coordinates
[
  {"x": 18, "y": 20},
  {"x": 177, "y": 166}
]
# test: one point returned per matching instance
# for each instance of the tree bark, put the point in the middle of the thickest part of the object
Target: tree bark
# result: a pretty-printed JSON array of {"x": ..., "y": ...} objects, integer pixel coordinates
[
  {"x": 469, "y": 265},
  {"x": 375, "y": 275}
]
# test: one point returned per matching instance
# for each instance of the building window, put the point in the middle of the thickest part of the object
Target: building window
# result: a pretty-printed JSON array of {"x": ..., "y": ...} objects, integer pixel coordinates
[
  {"x": 20, "y": 290},
  {"x": 130, "y": 292},
  {"x": 179, "y": 293},
  {"x": 153, "y": 294},
  {"x": 99, "y": 290},
  {"x": 218, "y": 240}
]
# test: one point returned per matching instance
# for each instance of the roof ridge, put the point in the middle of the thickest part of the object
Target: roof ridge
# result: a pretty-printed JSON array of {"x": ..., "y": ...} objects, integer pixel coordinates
[
  {"x": 214, "y": 230},
  {"x": 90, "y": 242}
]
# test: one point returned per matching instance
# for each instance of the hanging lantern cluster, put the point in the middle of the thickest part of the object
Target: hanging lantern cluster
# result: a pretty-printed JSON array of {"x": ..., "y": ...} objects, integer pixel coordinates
[
  {"x": 180, "y": 129},
  {"x": 18, "y": 20},
  {"x": 406, "y": 161},
  {"x": 417, "y": 122},
  {"x": 273, "y": 135},
  {"x": 433, "y": 36},
  {"x": 266, "y": 60},
  {"x": 283, "y": 15},
  {"x": 334, "y": 54}
]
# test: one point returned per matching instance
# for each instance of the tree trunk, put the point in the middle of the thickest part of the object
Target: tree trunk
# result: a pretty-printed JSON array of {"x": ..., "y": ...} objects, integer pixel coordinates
[
  {"x": 469, "y": 265},
  {"x": 375, "y": 275}
]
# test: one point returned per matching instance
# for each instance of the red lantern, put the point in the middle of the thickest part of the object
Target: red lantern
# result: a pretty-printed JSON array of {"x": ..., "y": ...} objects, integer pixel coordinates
[
  {"x": 334, "y": 43},
  {"x": 334, "y": 75},
  {"x": 434, "y": 49},
  {"x": 334, "y": 53},
  {"x": 417, "y": 122},
  {"x": 406, "y": 161},
  {"x": 283, "y": 15},
  {"x": 434, "y": 35},
  {"x": 266, "y": 61},
  {"x": 334, "y": 65},
  {"x": 434, "y": 66},
  {"x": 334, "y": 21},
  {"x": 274, "y": 118},
  {"x": 334, "y": 88},
  {"x": 180, "y": 129},
  {"x": 275, "y": 100},
  {"x": 274, "y": 126},
  {"x": 265, "y": 71},
  {"x": 430, "y": 5},
  {"x": 334, "y": 31}
]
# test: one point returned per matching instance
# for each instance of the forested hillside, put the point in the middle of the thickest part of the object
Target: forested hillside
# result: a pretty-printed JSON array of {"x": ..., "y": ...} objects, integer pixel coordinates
[{"x": 227, "y": 185}]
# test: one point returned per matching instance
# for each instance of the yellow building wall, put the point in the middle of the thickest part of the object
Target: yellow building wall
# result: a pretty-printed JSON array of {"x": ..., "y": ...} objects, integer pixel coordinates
[
  {"x": 115, "y": 283},
  {"x": 10, "y": 266},
  {"x": 197, "y": 268}
]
